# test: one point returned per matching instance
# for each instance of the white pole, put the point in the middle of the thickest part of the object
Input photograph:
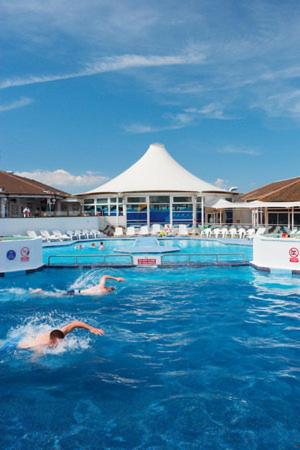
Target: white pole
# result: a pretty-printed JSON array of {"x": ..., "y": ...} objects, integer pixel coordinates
[
  {"x": 117, "y": 218},
  {"x": 194, "y": 213},
  {"x": 171, "y": 210},
  {"x": 148, "y": 210},
  {"x": 293, "y": 218},
  {"x": 202, "y": 211}
]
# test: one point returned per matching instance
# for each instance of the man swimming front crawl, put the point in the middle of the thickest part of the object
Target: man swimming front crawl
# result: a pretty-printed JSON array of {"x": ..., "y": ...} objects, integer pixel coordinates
[
  {"x": 53, "y": 338},
  {"x": 99, "y": 289}
]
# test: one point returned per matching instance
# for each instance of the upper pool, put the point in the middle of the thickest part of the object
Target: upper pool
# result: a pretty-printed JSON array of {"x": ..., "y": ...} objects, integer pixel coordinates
[{"x": 91, "y": 253}]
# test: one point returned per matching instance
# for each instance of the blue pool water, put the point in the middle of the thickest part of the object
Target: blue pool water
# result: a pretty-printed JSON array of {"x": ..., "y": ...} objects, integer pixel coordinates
[
  {"x": 89, "y": 252},
  {"x": 192, "y": 358}
]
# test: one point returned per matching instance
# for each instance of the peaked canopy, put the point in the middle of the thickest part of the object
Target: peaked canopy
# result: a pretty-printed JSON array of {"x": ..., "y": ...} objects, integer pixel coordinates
[{"x": 155, "y": 171}]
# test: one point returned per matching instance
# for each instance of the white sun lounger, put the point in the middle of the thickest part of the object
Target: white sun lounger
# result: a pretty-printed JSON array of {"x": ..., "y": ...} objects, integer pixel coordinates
[
  {"x": 118, "y": 232},
  {"x": 61, "y": 236},
  {"x": 144, "y": 231},
  {"x": 242, "y": 233},
  {"x": 50, "y": 237},
  {"x": 182, "y": 230},
  {"x": 156, "y": 229},
  {"x": 250, "y": 233},
  {"x": 33, "y": 235},
  {"x": 130, "y": 231},
  {"x": 216, "y": 232},
  {"x": 260, "y": 231},
  {"x": 233, "y": 232}
]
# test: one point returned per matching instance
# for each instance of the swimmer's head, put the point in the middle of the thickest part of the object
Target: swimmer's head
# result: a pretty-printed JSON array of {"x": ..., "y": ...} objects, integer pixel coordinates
[
  {"x": 55, "y": 337},
  {"x": 110, "y": 289}
]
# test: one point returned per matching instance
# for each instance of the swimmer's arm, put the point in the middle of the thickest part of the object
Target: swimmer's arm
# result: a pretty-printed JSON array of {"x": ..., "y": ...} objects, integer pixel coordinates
[
  {"x": 108, "y": 277},
  {"x": 76, "y": 324}
]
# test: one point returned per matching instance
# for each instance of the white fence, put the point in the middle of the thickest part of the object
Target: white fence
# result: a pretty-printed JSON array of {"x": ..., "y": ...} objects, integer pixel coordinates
[{"x": 276, "y": 253}]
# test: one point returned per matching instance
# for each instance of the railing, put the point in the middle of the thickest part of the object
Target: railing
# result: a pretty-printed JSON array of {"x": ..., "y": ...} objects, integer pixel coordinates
[
  {"x": 168, "y": 260},
  {"x": 202, "y": 259},
  {"x": 90, "y": 260}
]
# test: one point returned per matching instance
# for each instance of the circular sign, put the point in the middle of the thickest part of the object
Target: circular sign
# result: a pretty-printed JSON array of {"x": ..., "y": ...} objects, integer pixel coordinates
[
  {"x": 25, "y": 251},
  {"x": 294, "y": 252},
  {"x": 11, "y": 254}
]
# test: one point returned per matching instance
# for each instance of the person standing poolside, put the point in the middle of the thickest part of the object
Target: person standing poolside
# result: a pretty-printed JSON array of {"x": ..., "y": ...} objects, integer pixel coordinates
[
  {"x": 55, "y": 337},
  {"x": 99, "y": 289}
]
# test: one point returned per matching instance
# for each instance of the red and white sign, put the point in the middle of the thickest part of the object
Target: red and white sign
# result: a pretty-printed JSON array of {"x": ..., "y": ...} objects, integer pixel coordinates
[
  {"x": 147, "y": 261},
  {"x": 25, "y": 252},
  {"x": 294, "y": 253}
]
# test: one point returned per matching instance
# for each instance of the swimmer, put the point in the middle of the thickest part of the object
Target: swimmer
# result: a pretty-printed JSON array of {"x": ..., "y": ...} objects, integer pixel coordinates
[
  {"x": 93, "y": 244},
  {"x": 101, "y": 246},
  {"x": 99, "y": 289},
  {"x": 79, "y": 247},
  {"x": 53, "y": 338}
]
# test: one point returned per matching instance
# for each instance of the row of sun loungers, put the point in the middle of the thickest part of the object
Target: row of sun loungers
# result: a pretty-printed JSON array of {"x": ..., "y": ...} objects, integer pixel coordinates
[
  {"x": 70, "y": 235},
  {"x": 184, "y": 230}
]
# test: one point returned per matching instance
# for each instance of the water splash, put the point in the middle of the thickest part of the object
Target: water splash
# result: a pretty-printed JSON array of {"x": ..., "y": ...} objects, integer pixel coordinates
[{"x": 39, "y": 324}]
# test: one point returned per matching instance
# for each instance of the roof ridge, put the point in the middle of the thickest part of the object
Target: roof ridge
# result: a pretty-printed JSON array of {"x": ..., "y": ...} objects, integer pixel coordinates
[
  {"x": 297, "y": 180},
  {"x": 33, "y": 183},
  {"x": 253, "y": 191}
]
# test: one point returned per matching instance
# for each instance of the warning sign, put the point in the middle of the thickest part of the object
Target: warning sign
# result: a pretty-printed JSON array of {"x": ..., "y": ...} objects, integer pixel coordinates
[
  {"x": 147, "y": 261},
  {"x": 294, "y": 255},
  {"x": 25, "y": 252}
]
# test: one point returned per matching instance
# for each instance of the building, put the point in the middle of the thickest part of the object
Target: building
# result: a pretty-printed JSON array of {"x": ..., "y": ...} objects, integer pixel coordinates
[
  {"x": 37, "y": 199},
  {"x": 279, "y": 202},
  {"x": 156, "y": 189},
  {"x": 276, "y": 203}
]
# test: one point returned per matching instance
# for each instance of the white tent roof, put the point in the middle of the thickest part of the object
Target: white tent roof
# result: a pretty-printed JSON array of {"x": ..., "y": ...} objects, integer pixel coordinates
[{"x": 155, "y": 171}]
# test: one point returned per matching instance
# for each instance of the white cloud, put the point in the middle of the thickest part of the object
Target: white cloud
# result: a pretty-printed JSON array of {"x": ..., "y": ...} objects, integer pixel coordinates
[
  {"x": 23, "y": 101},
  {"x": 180, "y": 120},
  {"x": 239, "y": 150},
  {"x": 65, "y": 180},
  {"x": 108, "y": 64},
  {"x": 221, "y": 183}
]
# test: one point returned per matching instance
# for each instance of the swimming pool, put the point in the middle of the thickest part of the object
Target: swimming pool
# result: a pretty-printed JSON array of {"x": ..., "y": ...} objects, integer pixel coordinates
[
  {"x": 198, "y": 250},
  {"x": 192, "y": 358}
]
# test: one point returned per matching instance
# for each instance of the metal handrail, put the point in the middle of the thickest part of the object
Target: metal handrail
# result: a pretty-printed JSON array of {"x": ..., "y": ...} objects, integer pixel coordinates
[
  {"x": 77, "y": 257},
  {"x": 189, "y": 256}
]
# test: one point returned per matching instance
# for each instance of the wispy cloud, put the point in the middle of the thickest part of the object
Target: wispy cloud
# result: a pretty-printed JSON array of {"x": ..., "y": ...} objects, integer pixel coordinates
[
  {"x": 230, "y": 149},
  {"x": 23, "y": 101},
  {"x": 182, "y": 119},
  {"x": 61, "y": 178},
  {"x": 109, "y": 64}
]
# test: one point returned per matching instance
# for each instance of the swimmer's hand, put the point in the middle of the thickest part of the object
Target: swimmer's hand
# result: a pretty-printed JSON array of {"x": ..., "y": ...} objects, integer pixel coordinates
[
  {"x": 120, "y": 279},
  {"x": 97, "y": 331}
]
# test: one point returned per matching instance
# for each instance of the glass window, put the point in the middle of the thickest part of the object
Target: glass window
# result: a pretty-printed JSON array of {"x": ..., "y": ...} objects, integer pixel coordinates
[
  {"x": 183, "y": 207},
  {"x": 102, "y": 200},
  {"x": 102, "y": 210},
  {"x": 182, "y": 199},
  {"x": 161, "y": 207},
  {"x": 89, "y": 210},
  {"x": 113, "y": 200},
  {"x": 136, "y": 199},
  {"x": 159, "y": 199},
  {"x": 136, "y": 208},
  {"x": 89, "y": 201}
]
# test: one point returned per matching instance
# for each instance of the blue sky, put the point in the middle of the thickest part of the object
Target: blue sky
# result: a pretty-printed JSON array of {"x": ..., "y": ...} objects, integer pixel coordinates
[{"x": 86, "y": 86}]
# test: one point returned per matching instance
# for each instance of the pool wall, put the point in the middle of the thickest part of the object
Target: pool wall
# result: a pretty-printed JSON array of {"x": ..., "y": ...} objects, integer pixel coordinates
[
  {"x": 20, "y": 255},
  {"x": 276, "y": 253}
]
